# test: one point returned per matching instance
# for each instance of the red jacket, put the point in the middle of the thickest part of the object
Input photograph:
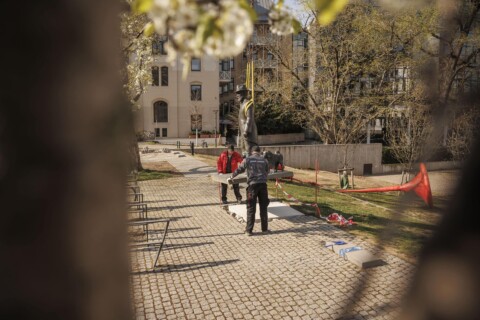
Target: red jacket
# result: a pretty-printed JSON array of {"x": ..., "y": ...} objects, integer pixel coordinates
[{"x": 222, "y": 161}]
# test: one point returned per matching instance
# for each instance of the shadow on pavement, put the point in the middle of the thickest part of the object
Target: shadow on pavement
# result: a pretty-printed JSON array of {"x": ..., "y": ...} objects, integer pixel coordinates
[{"x": 185, "y": 267}]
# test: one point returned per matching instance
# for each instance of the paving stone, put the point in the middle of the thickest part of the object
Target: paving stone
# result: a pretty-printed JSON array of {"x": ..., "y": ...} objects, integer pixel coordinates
[{"x": 209, "y": 266}]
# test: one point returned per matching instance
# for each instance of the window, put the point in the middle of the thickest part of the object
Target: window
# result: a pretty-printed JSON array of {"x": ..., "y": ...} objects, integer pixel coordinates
[
  {"x": 269, "y": 56},
  {"x": 225, "y": 65},
  {"x": 231, "y": 85},
  {"x": 158, "y": 45},
  {"x": 232, "y": 64},
  {"x": 157, "y": 132},
  {"x": 160, "y": 111},
  {"x": 300, "y": 40},
  {"x": 164, "y": 71},
  {"x": 196, "y": 92},
  {"x": 164, "y": 132},
  {"x": 196, "y": 64},
  {"x": 196, "y": 122},
  {"x": 155, "y": 76}
]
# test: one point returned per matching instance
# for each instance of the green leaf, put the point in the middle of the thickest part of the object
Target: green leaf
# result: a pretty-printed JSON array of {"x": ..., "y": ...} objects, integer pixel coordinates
[
  {"x": 327, "y": 10},
  {"x": 142, "y": 6},
  {"x": 244, "y": 5},
  {"x": 149, "y": 29},
  {"x": 205, "y": 29},
  {"x": 297, "y": 26}
]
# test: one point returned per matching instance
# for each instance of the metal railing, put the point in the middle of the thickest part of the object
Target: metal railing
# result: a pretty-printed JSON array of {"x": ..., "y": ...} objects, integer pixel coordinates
[
  {"x": 225, "y": 76},
  {"x": 265, "y": 63}
]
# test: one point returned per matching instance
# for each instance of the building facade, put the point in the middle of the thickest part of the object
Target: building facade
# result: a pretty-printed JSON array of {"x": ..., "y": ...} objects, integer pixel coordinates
[{"x": 172, "y": 107}]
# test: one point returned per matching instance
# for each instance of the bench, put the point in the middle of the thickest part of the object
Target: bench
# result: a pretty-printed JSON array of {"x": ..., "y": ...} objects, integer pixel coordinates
[
  {"x": 145, "y": 224},
  {"x": 142, "y": 209}
]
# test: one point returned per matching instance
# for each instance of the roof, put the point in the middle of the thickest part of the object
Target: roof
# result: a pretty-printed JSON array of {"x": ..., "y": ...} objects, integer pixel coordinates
[{"x": 262, "y": 7}]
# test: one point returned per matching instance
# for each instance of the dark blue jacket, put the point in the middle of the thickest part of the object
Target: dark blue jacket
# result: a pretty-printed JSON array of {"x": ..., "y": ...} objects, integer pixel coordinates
[{"x": 257, "y": 169}]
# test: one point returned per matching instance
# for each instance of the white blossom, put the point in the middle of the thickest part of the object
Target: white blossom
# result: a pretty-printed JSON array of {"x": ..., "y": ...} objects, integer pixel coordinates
[
  {"x": 281, "y": 21},
  {"x": 221, "y": 30}
]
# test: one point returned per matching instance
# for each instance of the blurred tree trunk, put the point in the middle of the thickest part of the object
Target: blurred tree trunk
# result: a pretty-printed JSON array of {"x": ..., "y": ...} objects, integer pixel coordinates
[
  {"x": 63, "y": 141},
  {"x": 134, "y": 150}
]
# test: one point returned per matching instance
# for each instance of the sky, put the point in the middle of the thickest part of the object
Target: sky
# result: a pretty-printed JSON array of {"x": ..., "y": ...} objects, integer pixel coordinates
[{"x": 296, "y": 9}]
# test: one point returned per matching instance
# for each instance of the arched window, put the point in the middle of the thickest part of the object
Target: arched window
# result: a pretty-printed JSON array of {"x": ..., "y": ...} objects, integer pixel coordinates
[
  {"x": 196, "y": 92},
  {"x": 160, "y": 111},
  {"x": 155, "y": 76}
]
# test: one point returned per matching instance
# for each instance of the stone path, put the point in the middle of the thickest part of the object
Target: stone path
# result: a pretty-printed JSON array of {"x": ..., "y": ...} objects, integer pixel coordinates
[{"x": 210, "y": 270}]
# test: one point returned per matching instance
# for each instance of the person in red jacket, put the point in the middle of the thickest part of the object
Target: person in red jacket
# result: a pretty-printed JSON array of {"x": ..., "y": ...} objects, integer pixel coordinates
[{"x": 227, "y": 163}]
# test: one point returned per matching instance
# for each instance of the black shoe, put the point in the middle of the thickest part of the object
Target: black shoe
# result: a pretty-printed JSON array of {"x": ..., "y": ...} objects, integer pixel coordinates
[
  {"x": 224, "y": 201},
  {"x": 267, "y": 231},
  {"x": 248, "y": 233}
]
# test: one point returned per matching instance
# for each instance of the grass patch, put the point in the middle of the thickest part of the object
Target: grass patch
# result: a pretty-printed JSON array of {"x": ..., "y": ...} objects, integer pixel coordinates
[
  {"x": 372, "y": 213},
  {"x": 148, "y": 174}
]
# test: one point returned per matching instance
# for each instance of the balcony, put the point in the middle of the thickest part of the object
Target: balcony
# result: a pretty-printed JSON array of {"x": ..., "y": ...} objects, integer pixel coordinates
[
  {"x": 263, "y": 40},
  {"x": 226, "y": 76},
  {"x": 265, "y": 63}
]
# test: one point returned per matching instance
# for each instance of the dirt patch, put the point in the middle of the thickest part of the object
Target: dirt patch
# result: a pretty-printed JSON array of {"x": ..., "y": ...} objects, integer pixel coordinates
[{"x": 163, "y": 166}]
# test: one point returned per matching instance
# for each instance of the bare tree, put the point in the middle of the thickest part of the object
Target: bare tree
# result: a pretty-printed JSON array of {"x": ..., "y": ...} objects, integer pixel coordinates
[
  {"x": 408, "y": 130},
  {"x": 459, "y": 40},
  {"x": 464, "y": 128},
  {"x": 349, "y": 81}
]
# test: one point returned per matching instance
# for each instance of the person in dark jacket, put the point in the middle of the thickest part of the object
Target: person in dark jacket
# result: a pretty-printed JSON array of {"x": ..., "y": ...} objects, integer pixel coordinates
[
  {"x": 257, "y": 172},
  {"x": 227, "y": 163}
]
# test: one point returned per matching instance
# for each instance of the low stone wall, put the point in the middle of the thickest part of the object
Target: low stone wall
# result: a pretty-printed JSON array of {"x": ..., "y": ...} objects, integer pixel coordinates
[
  {"x": 186, "y": 141},
  {"x": 431, "y": 166},
  {"x": 208, "y": 151},
  {"x": 269, "y": 139},
  {"x": 265, "y": 140},
  {"x": 361, "y": 157},
  {"x": 330, "y": 157}
]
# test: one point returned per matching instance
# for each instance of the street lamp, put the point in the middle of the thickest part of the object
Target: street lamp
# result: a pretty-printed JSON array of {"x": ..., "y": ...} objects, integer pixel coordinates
[{"x": 215, "y": 133}]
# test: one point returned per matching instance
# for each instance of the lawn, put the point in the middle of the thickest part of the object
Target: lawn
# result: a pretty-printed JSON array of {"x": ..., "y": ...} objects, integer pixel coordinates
[
  {"x": 158, "y": 170},
  {"x": 372, "y": 213}
]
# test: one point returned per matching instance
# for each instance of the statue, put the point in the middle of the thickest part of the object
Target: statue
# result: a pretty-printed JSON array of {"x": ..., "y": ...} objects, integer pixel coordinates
[{"x": 246, "y": 120}]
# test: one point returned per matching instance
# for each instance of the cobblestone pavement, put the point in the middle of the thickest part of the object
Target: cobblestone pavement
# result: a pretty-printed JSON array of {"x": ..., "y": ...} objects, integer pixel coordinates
[{"x": 210, "y": 270}]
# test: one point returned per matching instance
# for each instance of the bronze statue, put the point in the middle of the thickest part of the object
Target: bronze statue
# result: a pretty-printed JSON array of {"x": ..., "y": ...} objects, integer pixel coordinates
[{"x": 246, "y": 120}]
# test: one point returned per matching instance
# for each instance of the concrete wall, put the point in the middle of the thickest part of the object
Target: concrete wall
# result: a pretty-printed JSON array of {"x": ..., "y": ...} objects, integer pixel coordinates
[
  {"x": 330, "y": 157},
  {"x": 265, "y": 140},
  {"x": 431, "y": 166},
  {"x": 268, "y": 139}
]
